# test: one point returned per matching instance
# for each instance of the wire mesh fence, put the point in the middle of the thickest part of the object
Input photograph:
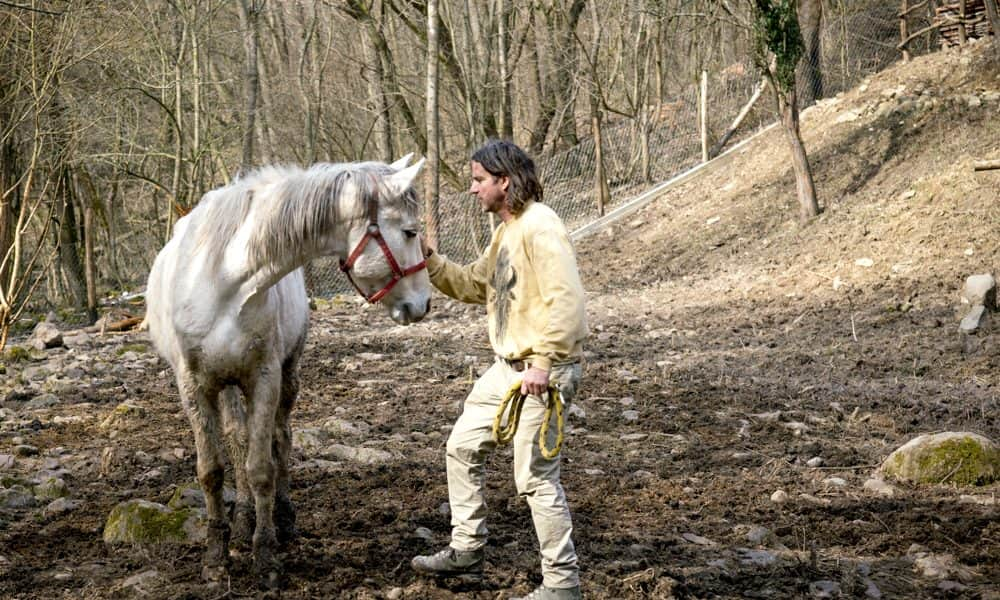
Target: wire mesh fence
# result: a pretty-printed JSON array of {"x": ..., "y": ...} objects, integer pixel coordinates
[{"x": 857, "y": 39}]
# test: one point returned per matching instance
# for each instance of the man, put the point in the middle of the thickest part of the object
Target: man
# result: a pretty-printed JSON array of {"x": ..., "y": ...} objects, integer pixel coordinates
[{"x": 529, "y": 281}]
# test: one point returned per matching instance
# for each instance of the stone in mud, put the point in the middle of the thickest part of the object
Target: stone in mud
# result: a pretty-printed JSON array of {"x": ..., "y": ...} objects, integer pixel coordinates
[
  {"x": 144, "y": 522},
  {"x": 959, "y": 458}
]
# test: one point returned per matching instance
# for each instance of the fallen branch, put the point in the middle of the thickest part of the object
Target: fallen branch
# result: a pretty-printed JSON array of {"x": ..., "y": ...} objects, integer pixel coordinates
[
  {"x": 986, "y": 165},
  {"x": 739, "y": 119}
]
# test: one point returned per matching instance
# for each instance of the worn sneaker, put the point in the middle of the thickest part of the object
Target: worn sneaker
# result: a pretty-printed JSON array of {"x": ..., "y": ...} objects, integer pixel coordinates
[
  {"x": 547, "y": 593},
  {"x": 467, "y": 566}
]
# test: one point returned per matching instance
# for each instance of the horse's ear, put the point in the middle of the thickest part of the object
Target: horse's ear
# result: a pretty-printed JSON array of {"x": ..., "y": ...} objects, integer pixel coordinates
[
  {"x": 401, "y": 163},
  {"x": 401, "y": 180}
]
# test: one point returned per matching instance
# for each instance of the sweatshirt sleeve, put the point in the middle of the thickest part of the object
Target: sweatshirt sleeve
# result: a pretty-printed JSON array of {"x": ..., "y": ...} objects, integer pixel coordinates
[
  {"x": 561, "y": 290},
  {"x": 465, "y": 283}
]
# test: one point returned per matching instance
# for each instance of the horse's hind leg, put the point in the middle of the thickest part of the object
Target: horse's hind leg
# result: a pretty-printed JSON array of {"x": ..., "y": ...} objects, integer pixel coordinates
[
  {"x": 262, "y": 404},
  {"x": 234, "y": 422},
  {"x": 202, "y": 409},
  {"x": 284, "y": 510}
]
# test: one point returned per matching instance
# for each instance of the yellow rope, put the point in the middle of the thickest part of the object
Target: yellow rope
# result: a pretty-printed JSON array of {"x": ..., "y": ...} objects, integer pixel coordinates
[{"x": 514, "y": 400}]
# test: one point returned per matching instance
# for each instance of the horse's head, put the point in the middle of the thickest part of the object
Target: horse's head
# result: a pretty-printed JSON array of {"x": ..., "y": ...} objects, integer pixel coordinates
[{"x": 385, "y": 262}]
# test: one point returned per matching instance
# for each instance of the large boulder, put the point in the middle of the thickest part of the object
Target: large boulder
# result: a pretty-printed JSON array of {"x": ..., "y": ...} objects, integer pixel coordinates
[
  {"x": 960, "y": 458},
  {"x": 144, "y": 522}
]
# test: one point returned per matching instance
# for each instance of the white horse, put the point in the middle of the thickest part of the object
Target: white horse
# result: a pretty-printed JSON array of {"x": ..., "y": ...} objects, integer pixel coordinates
[{"x": 227, "y": 308}]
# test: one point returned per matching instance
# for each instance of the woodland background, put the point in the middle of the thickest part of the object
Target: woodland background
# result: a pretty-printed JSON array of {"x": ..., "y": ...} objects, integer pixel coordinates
[{"x": 115, "y": 117}]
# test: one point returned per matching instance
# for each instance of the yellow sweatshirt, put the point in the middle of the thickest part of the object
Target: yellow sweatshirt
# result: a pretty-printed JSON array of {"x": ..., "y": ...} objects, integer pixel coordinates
[{"x": 529, "y": 281}]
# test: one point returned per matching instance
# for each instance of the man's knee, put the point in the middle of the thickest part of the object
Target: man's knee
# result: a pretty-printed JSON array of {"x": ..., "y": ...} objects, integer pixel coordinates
[
  {"x": 464, "y": 448},
  {"x": 532, "y": 486}
]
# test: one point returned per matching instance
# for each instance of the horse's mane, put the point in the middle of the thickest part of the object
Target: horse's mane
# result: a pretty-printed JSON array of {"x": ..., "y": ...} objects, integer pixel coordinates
[{"x": 294, "y": 207}]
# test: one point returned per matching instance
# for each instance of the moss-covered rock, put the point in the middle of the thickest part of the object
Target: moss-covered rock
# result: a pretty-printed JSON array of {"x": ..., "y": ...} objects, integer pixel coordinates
[
  {"x": 958, "y": 458},
  {"x": 144, "y": 522}
]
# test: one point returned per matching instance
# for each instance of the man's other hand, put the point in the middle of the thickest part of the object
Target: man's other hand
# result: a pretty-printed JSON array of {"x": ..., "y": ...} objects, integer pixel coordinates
[{"x": 536, "y": 381}]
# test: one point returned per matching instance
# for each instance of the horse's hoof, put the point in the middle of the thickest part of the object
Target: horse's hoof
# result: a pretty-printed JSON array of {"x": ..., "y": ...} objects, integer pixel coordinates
[{"x": 267, "y": 570}]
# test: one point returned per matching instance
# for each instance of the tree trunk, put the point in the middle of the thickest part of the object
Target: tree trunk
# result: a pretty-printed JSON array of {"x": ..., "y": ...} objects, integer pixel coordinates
[
  {"x": 249, "y": 13},
  {"x": 565, "y": 73},
  {"x": 67, "y": 238},
  {"x": 811, "y": 73},
  {"x": 505, "y": 126},
  {"x": 175, "y": 203},
  {"x": 383, "y": 121},
  {"x": 432, "y": 172},
  {"x": 806, "y": 190},
  {"x": 596, "y": 98},
  {"x": 87, "y": 207},
  {"x": 10, "y": 193}
]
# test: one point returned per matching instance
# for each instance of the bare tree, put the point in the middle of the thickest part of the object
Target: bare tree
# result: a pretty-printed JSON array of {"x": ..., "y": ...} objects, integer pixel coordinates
[
  {"x": 37, "y": 48},
  {"x": 432, "y": 173},
  {"x": 555, "y": 66}
]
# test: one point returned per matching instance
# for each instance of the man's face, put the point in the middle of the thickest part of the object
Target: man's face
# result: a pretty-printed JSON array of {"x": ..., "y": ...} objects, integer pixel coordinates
[{"x": 489, "y": 189}]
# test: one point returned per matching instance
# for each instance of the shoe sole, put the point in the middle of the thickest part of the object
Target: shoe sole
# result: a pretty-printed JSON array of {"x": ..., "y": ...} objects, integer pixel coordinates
[{"x": 463, "y": 577}]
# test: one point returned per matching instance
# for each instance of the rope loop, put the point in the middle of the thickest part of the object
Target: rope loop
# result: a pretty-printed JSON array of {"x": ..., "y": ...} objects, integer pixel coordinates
[{"x": 513, "y": 402}]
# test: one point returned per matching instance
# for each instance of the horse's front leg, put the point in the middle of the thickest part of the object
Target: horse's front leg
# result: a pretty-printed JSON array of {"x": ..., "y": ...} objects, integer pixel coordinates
[
  {"x": 202, "y": 408},
  {"x": 262, "y": 404}
]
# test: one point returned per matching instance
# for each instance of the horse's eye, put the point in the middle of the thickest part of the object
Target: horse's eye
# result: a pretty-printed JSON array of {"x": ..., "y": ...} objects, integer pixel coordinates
[{"x": 410, "y": 233}]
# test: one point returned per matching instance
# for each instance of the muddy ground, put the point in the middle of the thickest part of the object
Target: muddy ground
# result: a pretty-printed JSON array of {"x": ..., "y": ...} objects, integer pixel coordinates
[{"x": 746, "y": 343}]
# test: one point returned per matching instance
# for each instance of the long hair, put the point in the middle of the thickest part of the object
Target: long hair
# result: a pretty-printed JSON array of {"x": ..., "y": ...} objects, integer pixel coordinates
[{"x": 503, "y": 158}]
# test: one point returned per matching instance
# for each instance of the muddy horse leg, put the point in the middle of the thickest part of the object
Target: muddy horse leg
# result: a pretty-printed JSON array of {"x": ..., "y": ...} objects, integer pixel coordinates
[
  {"x": 284, "y": 510},
  {"x": 262, "y": 407},
  {"x": 202, "y": 408},
  {"x": 234, "y": 421}
]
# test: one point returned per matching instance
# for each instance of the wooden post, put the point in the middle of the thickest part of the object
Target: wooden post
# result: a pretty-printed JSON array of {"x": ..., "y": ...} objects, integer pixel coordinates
[
  {"x": 704, "y": 116},
  {"x": 904, "y": 33},
  {"x": 601, "y": 177}
]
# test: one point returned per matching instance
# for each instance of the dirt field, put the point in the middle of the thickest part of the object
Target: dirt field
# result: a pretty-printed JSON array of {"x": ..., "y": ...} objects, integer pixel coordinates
[{"x": 745, "y": 343}]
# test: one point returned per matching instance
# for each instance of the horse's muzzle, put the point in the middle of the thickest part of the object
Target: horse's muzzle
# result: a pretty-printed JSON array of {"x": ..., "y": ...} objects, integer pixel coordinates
[{"x": 406, "y": 313}]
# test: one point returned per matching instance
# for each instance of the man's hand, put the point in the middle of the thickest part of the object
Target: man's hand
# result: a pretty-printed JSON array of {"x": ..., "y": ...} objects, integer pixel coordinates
[
  {"x": 536, "y": 381},
  {"x": 425, "y": 248}
]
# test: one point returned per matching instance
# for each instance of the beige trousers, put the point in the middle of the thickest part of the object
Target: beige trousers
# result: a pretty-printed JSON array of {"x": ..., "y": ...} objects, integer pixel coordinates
[{"x": 536, "y": 477}]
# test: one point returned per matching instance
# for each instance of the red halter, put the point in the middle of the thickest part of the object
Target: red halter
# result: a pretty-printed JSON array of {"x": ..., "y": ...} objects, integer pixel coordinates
[{"x": 374, "y": 233}]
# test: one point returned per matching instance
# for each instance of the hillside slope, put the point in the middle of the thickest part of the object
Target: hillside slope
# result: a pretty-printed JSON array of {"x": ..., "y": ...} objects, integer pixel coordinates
[{"x": 892, "y": 160}]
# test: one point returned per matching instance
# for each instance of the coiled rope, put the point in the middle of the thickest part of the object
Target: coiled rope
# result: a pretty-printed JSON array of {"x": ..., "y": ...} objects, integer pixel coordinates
[{"x": 504, "y": 432}]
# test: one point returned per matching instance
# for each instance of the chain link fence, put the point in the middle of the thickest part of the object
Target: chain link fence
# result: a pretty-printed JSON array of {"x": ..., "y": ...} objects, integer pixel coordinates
[{"x": 857, "y": 39}]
